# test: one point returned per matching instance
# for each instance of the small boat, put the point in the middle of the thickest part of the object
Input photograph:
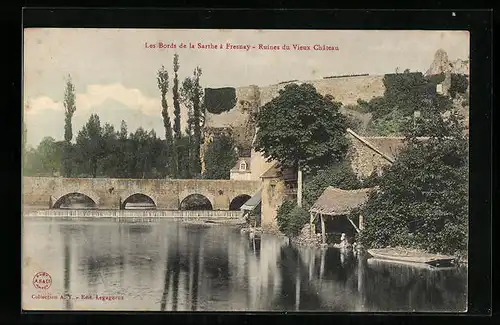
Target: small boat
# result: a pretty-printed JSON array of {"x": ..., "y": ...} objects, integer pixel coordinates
[
  {"x": 375, "y": 262},
  {"x": 402, "y": 255}
]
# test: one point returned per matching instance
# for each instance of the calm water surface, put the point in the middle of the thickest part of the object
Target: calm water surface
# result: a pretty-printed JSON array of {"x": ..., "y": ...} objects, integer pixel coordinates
[{"x": 170, "y": 266}]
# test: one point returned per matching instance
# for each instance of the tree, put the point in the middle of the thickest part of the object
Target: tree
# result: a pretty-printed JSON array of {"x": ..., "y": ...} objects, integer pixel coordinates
[
  {"x": 110, "y": 166},
  {"x": 177, "y": 116},
  {"x": 69, "y": 110},
  {"x": 302, "y": 128},
  {"x": 45, "y": 160},
  {"x": 123, "y": 131},
  {"x": 162, "y": 80},
  {"x": 90, "y": 146},
  {"x": 184, "y": 156},
  {"x": 338, "y": 175},
  {"x": 191, "y": 96},
  {"x": 220, "y": 157},
  {"x": 177, "y": 106},
  {"x": 422, "y": 200}
]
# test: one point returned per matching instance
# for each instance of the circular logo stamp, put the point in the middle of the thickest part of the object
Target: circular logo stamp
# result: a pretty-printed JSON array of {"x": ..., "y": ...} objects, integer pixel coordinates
[{"x": 42, "y": 280}]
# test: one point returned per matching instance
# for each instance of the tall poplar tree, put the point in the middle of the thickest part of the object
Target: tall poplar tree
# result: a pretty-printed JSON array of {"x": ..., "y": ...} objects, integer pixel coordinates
[
  {"x": 177, "y": 118},
  {"x": 69, "y": 110},
  {"x": 192, "y": 94},
  {"x": 162, "y": 79},
  {"x": 177, "y": 106}
]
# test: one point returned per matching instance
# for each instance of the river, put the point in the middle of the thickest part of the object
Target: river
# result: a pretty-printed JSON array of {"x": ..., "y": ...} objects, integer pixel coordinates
[{"x": 173, "y": 266}]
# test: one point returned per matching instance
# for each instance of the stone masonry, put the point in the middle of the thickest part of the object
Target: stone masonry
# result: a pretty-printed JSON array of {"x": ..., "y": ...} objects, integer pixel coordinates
[{"x": 108, "y": 193}]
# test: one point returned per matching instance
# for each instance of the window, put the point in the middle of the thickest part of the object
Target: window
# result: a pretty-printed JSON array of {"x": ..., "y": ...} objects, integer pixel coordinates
[{"x": 243, "y": 165}]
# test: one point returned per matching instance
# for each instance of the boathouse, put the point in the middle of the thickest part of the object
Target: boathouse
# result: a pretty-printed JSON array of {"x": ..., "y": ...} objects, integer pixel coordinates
[{"x": 335, "y": 205}]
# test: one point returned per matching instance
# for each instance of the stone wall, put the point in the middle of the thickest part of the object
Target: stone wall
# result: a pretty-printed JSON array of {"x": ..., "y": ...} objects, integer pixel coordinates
[
  {"x": 249, "y": 99},
  {"x": 109, "y": 193},
  {"x": 364, "y": 160},
  {"x": 259, "y": 165},
  {"x": 272, "y": 197},
  {"x": 346, "y": 90}
]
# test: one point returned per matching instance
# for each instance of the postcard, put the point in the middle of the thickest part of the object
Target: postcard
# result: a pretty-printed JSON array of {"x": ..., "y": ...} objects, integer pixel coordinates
[{"x": 245, "y": 170}]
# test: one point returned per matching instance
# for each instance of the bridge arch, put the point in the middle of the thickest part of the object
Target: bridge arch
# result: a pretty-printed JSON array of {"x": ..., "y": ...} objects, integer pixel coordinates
[
  {"x": 130, "y": 197},
  {"x": 238, "y": 201},
  {"x": 196, "y": 201},
  {"x": 57, "y": 201}
]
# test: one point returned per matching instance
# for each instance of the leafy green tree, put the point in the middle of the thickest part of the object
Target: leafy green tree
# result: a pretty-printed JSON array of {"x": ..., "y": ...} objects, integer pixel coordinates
[
  {"x": 302, "y": 128},
  {"x": 192, "y": 98},
  {"x": 220, "y": 157},
  {"x": 90, "y": 146},
  {"x": 69, "y": 110},
  {"x": 162, "y": 79},
  {"x": 423, "y": 196},
  {"x": 110, "y": 166},
  {"x": 45, "y": 160},
  {"x": 338, "y": 175},
  {"x": 184, "y": 156}
]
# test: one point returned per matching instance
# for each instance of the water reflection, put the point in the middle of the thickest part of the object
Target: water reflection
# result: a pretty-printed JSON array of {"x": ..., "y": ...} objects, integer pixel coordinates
[{"x": 172, "y": 266}]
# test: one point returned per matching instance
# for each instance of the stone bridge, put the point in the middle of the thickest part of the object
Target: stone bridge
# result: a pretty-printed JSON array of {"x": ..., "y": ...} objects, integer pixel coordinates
[{"x": 108, "y": 193}]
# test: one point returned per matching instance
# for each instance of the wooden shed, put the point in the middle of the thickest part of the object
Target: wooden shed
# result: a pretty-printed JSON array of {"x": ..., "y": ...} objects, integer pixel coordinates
[{"x": 335, "y": 202}]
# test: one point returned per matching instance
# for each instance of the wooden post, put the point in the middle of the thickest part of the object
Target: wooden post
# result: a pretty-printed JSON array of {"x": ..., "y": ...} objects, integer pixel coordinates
[
  {"x": 353, "y": 224},
  {"x": 323, "y": 230},
  {"x": 299, "y": 188}
]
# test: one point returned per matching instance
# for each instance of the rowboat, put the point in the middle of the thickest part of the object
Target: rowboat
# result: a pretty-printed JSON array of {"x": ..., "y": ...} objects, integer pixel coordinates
[
  {"x": 375, "y": 262},
  {"x": 402, "y": 255}
]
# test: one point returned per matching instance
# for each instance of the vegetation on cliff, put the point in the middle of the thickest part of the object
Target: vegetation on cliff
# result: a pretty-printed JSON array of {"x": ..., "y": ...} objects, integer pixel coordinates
[{"x": 404, "y": 94}]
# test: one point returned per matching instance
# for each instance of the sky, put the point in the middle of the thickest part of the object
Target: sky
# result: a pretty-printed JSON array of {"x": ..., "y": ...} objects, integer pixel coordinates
[{"x": 114, "y": 70}]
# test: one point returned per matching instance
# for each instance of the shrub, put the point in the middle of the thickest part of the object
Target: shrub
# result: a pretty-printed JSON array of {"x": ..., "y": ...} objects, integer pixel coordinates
[{"x": 291, "y": 218}]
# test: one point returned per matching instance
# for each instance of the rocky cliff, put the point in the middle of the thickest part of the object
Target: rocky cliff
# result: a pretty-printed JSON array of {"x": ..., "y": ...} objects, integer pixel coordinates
[{"x": 442, "y": 64}]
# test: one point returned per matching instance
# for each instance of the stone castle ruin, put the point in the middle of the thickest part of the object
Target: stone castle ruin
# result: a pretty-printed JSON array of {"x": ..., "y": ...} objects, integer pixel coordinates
[{"x": 236, "y": 116}]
